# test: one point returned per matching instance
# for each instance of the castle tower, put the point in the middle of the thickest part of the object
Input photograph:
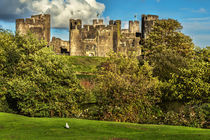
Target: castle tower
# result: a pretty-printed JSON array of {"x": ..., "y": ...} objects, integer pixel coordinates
[
  {"x": 147, "y": 22},
  {"x": 116, "y": 34},
  {"x": 37, "y": 24},
  {"x": 75, "y": 24},
  {"x": 74, "y": 37}
]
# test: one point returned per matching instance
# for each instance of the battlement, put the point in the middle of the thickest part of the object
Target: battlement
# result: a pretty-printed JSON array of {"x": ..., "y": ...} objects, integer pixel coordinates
[
  {"x": 37, "y": 24},
  {"x": 91, "y": 40},
  {"x": 75, "y": 24},
  {"x": 98, "y": 22},
  {"x": 36, "y": 19},
  {"x": 150, "y": 17},
  {"x": 147, "y": 23}
]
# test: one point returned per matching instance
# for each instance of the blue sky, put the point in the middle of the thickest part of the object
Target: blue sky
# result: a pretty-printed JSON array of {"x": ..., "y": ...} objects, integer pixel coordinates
[{"x": 194, "y": 15}]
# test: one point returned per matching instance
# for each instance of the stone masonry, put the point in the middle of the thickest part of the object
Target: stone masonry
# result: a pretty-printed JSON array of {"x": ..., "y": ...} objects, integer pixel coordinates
[
  {"x": 37, "y": 24},
  {"x": 97, "y": 39}
]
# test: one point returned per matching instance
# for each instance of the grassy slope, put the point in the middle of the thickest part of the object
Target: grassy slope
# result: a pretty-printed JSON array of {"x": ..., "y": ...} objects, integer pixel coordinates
[
  {"x": 20, "y": 127},
  {"x": 84, "y": 64}
]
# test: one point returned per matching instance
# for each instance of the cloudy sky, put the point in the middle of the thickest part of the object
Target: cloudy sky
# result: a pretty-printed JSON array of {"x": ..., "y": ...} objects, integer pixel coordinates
[{"x": 194, "y": 15}]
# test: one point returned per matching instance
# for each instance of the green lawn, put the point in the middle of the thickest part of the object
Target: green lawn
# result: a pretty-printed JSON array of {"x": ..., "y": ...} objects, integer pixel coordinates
[{"x": 16, "y": 127}]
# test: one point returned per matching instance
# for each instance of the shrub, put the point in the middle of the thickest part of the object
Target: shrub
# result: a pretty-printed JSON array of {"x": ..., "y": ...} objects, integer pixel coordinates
[
  {"x": 37, "y": 82},
  {"x": 125, "y": 91}
]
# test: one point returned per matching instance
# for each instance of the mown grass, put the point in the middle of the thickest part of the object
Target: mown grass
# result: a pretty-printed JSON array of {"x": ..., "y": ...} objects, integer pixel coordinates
[{"x": 16, "y": 127}]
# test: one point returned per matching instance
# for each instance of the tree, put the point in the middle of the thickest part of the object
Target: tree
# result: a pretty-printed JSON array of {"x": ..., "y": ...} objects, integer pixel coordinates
[
  {"x": 37, "y": 81},
  {"x": 125, "y": 90},
  {"x": 167, "y": 49},
  {"x": 192, "y": 84},
  {"x": 166, "y": 34},
  {"x": 203, "y": 53}
]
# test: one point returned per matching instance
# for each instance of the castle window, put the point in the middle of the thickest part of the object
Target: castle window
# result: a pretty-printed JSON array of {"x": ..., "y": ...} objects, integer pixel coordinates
[
  {"x": 94, "y": 47},
  {"x": 87, "y": 47}
]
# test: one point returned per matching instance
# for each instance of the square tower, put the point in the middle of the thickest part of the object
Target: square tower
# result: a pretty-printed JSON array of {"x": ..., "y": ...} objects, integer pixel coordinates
[
  {"x": 37, "y": 24},
  {"x": 147, "y": 22}
]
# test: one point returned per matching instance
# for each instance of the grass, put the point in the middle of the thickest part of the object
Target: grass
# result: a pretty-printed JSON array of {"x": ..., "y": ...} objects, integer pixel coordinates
[
  {"x": 84, "y": 64},
  {"x": 16, "y": 127}
]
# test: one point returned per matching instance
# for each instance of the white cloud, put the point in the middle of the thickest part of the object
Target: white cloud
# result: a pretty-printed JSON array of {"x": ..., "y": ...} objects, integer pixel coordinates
[
  {"x": 61, "y": 10},
  {"x": 198, "y": 28},
  {"x": 198, "y": 19},
  {"x": 201, "y": 10},
  {"x": 157, "y": 1},
  {"x": 125, "y": 24}
]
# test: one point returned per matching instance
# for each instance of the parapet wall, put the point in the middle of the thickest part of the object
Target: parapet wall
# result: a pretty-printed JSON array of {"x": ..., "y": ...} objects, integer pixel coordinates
[
  {"x": 38, "y": 24},
  {"x": 147, "y": 22},
  {"x": 90, "y": 40}
]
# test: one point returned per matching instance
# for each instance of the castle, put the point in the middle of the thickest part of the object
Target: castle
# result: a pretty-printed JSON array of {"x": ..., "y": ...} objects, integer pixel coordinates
[{"x": 97, "y": 39}]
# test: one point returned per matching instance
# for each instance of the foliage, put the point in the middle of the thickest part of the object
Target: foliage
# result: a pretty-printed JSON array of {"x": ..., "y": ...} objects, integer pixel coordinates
[
  {"x": 125, "y": 91},
  {"x": 203, "y": 53},
  {"x": 167, "y": 49},
  {"x": 195, "y": 116},
  {"x": 166, "y": 34},
  {"x": 167, "y": 62},
  {"x": 191, "y": 85},
  {"x": 37, "y": 82}
]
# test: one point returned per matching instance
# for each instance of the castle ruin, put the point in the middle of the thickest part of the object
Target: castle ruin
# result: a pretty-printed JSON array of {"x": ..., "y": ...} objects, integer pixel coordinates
[{"x": 97, "y": 39}]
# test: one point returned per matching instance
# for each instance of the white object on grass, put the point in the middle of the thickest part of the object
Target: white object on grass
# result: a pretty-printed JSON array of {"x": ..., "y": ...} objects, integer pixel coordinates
[{"x": 67, "y": 125}]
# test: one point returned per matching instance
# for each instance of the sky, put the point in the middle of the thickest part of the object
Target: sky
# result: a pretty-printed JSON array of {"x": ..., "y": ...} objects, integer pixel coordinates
[{"x": 194, "y": 15}]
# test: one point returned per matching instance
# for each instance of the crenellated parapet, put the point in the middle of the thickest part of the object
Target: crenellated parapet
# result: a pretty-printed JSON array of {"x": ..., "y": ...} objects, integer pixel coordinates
[
  {"x": 147, "y": 22},
  {"x": 96, "y": 39},
  {"x": 99, "y": 39},
  {"x": 37, "y": 24}
]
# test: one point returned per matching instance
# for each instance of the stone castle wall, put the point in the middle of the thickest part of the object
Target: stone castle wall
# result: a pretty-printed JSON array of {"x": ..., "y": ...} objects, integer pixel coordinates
[
  {"x": 90, "y": 40},
  {"x": 38, "y": 24},
  {"x": 98, "y": 39},
  {"x": 60, "y": 46}
]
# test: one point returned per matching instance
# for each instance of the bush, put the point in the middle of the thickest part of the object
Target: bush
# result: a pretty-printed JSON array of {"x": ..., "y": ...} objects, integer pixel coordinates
[
  {"x": 126, "y": 91},
  {"x": 195, "y": 116},
  {"x": 37, "y": 82}
]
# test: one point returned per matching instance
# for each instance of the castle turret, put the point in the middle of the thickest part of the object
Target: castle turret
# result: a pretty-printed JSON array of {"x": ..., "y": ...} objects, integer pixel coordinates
[
  {"x": 75, "y": 24},
  {"x": 147, "y": 22}
]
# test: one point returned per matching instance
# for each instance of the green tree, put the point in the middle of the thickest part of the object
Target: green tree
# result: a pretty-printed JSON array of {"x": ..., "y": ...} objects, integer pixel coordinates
[
  {"x": 125, "y": 91},
  {"x": 167, "y": 49},
  {"x": 203, "y": 53},
  {"x": 191, "y": 85},
  {"x": 37, "y": 81},
  {"x": 166, "y": 34}
]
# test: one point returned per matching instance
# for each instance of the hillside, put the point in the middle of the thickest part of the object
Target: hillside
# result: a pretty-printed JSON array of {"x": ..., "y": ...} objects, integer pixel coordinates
[
  {"x": 84, "y": 66},
  {"x": 16, "y": 127}
]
